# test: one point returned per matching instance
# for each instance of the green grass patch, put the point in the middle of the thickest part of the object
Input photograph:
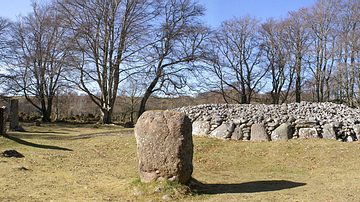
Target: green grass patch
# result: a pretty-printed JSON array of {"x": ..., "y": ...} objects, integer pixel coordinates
[{"x": 74, "y": 162}]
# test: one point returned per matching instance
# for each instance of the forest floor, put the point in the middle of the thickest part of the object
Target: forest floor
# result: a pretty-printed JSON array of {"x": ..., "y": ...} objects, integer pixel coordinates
[{"x": 80, "y": 162}]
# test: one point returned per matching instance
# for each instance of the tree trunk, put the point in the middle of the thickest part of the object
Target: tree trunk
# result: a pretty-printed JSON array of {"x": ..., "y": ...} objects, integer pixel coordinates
[
  {"x": 298, "y": 81},
  {"x": 45, "y": 110},
  {"x": 143, "y": 101},
  {"x": 150, "y": 90},
  {"x": 106, "y": 115},
  {"x": 45, "y": 116}
]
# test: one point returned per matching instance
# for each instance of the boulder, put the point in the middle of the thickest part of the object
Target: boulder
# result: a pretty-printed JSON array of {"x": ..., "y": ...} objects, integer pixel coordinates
[
  {"x": 224, "y": 131},
  {"x": 164, "y": 146},
  {"x": 201, "y": 128},
  {"x": 308, "y": 133},
  {"x": 258, "y": 132},
  {"x": 329, "y": 132},
  {"x": 283, "y": 132}
]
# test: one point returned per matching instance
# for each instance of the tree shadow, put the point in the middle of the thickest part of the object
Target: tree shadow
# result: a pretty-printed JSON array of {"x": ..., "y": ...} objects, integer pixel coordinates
[
  {"x": 40, "y": 135},
  {"x": 23, "y": 142},
  {"x": 247, "y": 187}
]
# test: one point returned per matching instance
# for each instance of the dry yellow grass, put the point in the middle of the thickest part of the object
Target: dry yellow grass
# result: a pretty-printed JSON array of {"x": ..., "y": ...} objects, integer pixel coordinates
[{"x": 65, "y": 163}]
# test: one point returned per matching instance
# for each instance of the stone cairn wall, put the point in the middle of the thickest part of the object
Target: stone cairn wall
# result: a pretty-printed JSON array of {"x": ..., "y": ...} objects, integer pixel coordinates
[{"x": 275, "y": 122}]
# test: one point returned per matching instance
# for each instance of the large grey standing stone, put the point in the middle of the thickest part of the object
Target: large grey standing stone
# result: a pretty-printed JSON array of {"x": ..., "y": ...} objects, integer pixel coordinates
[
  {"x": 283, "y": 132},
  {"x": 165, "y": 146},
  {"x": 14, "y": 114},
  {"x": 308, "y": 133},
  {"x": 329, "y": 132},
  {"x": 224, "y": 131},
  {"x": 258, "y": 132},
  {"x": 201, "y": 128}
]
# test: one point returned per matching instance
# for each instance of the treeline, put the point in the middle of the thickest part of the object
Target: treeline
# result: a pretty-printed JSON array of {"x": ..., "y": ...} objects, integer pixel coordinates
[
  {"x": 135, "y": 50},
  {"x": 72, "y": 107}
]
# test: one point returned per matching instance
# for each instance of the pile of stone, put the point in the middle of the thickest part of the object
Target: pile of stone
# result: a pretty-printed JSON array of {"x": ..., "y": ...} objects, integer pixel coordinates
[{"x": 275, "y": 122}]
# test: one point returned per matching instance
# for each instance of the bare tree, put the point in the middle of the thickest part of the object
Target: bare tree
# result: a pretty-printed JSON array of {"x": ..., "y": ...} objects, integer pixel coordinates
[
  {"x": 178, "y": 37},
  {"x": 4, "y": 27},
  {"x": 40, "y": 50},
  {"x": 4, "y": 45},
  {"x": 277, "y": 55},
  {"x": 131, "y": 93},
  {"x": 297, "y": 37},
  {"x": 347, "y": 51},
  {"x": 237, "y": 57},
  {"x": 322, "y": 19},
  {"x": 109, "y": 33}
]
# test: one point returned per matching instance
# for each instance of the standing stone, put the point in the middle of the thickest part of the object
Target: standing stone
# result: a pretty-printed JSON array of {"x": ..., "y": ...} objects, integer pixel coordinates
[
  {"x": 329, "y": 132},
  {"x": 258, "y": 132},
  {"x": 308, "y": 133},
  {"x": 165, "y": 146},
  {"x": 2, "y": 121},
  {"x": 201, "y": 128},
  {"x": 237, "y": 134},
  {"x": 14, "y": 114},
  {"x": 283, "y": 132}
]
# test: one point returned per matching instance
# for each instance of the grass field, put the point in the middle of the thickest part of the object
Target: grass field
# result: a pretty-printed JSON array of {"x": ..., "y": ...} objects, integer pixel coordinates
[{"x": 68, "y": 162}]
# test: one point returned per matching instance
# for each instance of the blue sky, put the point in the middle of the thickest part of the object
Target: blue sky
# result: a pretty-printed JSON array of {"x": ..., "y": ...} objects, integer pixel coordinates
[
  {"x": 220, "y": 10},
  {"x": 217, "y": 10}
]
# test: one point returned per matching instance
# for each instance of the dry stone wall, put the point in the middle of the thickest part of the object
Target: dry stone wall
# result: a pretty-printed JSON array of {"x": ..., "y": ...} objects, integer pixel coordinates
[{"x": 275, "y": 122}]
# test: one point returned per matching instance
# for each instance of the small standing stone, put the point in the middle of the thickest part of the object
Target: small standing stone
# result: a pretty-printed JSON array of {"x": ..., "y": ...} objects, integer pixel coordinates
[
  {"x": 237, "y": 134},
  {"x": 329, "y": 132},
  {"x": 258, "y": 132},
  {"x": 14, "y": 114},
  {"x": 2, "y": 121}
]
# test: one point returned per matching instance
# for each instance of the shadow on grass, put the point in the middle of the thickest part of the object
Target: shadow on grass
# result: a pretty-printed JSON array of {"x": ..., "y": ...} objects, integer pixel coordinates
[
  {"x": 23, "y": 142},
  {"x": 40, "y": 135},
  {"x": 248, "y": 187}
]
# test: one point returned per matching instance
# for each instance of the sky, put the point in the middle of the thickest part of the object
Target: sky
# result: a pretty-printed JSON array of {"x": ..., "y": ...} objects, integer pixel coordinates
[
  {"x": 217, "y": 10},
  {"x": 220, "y": 10}
]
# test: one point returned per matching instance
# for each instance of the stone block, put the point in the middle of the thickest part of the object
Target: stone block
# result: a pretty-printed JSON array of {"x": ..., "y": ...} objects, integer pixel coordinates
[{"x": 308, "y": 133}]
